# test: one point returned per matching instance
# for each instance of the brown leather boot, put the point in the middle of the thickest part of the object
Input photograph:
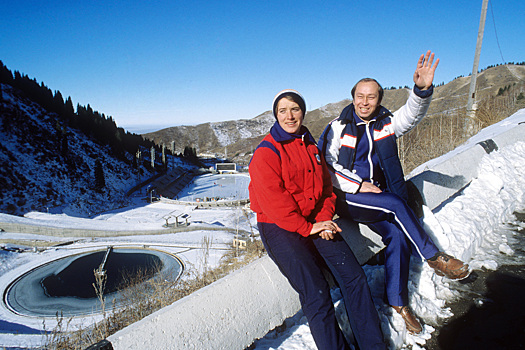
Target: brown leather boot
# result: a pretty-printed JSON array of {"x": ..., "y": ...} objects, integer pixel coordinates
[
  {"x": 448, "y": 266},
  {"x": 411, "y": 322}
]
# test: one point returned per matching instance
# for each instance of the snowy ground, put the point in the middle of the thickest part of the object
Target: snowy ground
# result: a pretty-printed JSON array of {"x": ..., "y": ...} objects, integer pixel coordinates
[
  {"x": 228, "y": 187},
  {"x": 223, "y": 223},
  {"x": 469, "y": 227}
]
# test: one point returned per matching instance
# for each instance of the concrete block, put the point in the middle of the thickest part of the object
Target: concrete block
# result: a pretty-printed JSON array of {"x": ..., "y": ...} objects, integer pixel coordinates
[
  {"x": 444, "y": 180},
  {"x": 228, "y": 314},
  {"x": 364, "y": 242},
  {"x": 511, "y": 136}
]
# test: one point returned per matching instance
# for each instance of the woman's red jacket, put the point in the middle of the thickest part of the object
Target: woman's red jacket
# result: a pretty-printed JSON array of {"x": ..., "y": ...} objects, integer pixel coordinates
[{"x": 290, "y": 185}]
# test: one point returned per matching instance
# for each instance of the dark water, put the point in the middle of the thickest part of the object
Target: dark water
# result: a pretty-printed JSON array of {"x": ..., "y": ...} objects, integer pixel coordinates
[
  {"x": 77, "y": 279},
  {"x": 491, "y": 311},
  {"x": 66, "y": 285}
]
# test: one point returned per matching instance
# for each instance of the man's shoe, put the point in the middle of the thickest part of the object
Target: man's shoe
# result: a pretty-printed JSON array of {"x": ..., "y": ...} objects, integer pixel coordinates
[
  {"x": 448, "y": 266},
  {"x": 411, "y": 322}
]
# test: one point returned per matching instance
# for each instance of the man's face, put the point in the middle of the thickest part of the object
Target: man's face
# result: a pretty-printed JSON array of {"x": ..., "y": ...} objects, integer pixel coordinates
[{"x": 366, "y": 99}]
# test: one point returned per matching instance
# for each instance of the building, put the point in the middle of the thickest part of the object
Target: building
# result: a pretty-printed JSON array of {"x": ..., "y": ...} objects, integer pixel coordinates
[{"x": 226, "y": 168}]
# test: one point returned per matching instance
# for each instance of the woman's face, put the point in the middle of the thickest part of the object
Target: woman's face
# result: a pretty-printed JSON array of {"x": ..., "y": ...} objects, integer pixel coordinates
[{"x": 289, "y": 115}]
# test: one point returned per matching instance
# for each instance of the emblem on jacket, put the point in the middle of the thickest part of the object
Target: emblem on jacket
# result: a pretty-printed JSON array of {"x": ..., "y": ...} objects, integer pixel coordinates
[{"x": 318, "y": 158}]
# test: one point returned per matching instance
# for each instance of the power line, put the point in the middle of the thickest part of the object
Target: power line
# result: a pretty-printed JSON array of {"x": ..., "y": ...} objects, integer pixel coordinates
[{"x": 496, "y": 32}]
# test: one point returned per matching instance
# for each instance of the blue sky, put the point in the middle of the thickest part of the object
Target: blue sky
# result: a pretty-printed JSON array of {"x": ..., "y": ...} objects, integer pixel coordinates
[{"x": 151, "y": 64}]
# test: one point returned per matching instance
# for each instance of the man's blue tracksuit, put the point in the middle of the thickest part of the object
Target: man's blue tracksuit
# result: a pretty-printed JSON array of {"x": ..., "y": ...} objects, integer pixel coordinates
[{"x": 355, "y": 152}]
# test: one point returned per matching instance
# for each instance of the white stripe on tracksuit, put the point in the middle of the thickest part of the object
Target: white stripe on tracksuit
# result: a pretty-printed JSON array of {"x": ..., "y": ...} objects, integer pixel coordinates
[{"x": 385, "y": 210}]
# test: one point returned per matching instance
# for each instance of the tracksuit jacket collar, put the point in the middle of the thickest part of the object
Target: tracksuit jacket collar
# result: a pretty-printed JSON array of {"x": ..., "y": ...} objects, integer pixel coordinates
[{"x": 280, "y": 135}]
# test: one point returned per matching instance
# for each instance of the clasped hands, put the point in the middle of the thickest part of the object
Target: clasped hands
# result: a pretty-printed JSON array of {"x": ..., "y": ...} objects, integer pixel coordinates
[{"x": 326, "y": 229}]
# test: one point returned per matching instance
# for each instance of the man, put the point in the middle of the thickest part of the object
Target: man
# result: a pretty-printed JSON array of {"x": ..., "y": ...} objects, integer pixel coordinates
[{"x": 361, "y": 153}]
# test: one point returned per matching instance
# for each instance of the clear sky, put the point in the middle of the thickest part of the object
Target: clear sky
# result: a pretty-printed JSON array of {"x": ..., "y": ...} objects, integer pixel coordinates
[{"x": 152, "y": 64}]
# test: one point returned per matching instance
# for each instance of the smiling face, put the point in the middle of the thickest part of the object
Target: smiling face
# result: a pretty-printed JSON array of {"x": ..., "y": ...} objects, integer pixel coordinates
[
  {"x": 366, "y": 99},
  {"x": 289, "y": 115}
]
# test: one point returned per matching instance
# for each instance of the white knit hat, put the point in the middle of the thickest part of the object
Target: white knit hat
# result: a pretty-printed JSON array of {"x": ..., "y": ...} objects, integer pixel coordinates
[{"x": 302, "y": 102}]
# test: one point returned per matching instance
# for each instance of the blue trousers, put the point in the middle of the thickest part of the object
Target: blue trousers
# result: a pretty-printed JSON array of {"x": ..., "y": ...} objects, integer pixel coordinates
[
  {"x": 389, "y": 215},
  {"x": 301, "y": 259}
]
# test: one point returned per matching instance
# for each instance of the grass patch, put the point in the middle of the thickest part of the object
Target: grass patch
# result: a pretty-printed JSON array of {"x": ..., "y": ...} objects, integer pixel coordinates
[{"x": 440, "y": 133}]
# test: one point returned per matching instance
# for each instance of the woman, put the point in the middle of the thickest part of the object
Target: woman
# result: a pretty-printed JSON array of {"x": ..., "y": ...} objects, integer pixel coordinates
[{"x": 291, "y": 192}]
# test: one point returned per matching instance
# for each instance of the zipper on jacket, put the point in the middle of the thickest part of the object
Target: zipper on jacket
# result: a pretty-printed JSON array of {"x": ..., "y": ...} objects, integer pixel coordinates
[{"x": 370, "y": 148}]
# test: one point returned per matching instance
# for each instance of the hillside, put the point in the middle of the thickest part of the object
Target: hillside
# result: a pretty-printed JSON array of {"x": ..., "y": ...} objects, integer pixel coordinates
[
  {"x": 48, "y": 166},
  {"x": 213, "y": 136},
  {"x": 239, "y": 138}
]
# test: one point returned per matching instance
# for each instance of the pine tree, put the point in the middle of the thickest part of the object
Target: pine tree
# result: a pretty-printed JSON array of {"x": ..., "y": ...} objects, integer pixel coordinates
[
  {"x": 6, "y": 76},
  {"x": 58, "y": 104},
  {"x": 64, "y": 142},
  {"x": 68, "y": 108},
  {"x": 100, "y": 182}
]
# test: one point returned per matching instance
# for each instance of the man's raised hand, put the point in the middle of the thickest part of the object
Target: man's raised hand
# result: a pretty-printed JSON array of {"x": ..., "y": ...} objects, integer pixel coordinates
[{"x": 424, "y": 74}]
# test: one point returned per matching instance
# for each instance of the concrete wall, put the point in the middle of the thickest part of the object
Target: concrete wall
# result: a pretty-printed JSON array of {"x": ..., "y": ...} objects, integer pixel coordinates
[
  {"x": 74, "y": 232},
  {"x": 228, "y": 314}
]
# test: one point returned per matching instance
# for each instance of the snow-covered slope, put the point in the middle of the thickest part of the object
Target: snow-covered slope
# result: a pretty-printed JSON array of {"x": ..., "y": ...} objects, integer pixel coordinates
[{"x": 48, "y": 166}]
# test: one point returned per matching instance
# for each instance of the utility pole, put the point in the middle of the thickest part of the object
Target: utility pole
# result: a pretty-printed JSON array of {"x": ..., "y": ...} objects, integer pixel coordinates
[
  {"x": 138, "y": 155},
  {"x": 164, "y": 156},
  {"x": 472, "y": 91},
  {"x": 152, "y": 151}
]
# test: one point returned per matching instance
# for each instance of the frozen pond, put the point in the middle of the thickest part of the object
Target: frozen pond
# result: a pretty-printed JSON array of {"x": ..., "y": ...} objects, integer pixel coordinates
[
  {"x": 216, "y": 187},
  {"x": 66, "y": 285}
]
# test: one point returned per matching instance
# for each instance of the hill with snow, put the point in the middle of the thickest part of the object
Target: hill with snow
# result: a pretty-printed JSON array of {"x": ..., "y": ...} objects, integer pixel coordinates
[{"x": 47, "y": 166}]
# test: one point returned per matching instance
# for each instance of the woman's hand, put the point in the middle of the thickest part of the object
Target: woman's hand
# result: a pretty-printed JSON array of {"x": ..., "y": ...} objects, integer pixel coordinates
[{"x": 326, "y": 229}]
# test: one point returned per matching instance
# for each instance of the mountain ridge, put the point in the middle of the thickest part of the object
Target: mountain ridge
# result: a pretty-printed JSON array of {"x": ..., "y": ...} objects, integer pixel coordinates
[{"x": 245, "y": 134}]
